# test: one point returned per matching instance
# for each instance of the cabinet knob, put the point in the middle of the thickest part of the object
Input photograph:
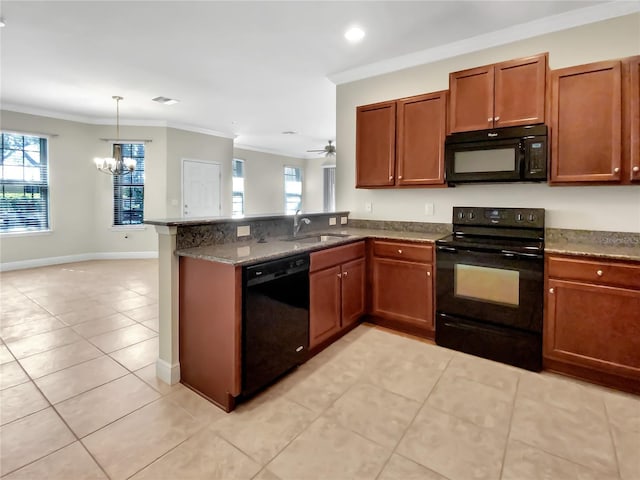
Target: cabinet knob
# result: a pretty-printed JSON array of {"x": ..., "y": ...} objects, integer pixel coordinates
[
  {"x": 399, "y": 177},
  {"x": 599, "y": 273},
  {"x": 399, "y": 250},
  {"x": 390, "y": 177},
  {"x": 496, "y": 119},
  {"x": 345, "y": 274},
  {"x": 616, "y": 170},
  {"x": 551, "y": 290},
  {"x": 339, "y": 275},
  {"x": 428, "y": 274},
  {"x": 490, "y": 119},
  {"x": 636, "y": 169}
]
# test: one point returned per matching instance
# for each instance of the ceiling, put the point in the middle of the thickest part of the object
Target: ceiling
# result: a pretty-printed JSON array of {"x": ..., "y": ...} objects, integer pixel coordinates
[{"x": 249, "y": 70}]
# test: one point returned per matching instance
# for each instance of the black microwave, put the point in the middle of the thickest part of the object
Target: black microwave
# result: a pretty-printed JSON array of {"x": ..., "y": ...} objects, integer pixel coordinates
[{"x": 510, "y": 154}]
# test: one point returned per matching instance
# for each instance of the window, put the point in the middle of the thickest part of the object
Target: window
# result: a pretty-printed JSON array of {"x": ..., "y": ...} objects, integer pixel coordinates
[
  {"x": 128, "y": 190},
  {"x": 292, "y": 189},
  {"x": 24, "y": 179},
  {"x": 329, "y": 189},
  {"x": 237, "y": 202}
]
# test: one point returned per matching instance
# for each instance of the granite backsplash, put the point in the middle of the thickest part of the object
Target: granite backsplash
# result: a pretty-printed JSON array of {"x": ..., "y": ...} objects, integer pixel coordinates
[{"x": 597, "y": 237}]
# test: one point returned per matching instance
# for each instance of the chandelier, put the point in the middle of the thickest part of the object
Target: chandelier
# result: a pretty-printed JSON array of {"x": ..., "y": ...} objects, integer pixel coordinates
[{"x": 115, "y": 165}]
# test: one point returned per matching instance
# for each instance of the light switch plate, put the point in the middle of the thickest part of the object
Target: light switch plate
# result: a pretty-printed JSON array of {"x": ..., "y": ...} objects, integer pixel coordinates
[
  {"x": 343, "y": 220},
  {"x": 332, "y": 220},
  {"x": 428, "y": 209},
  {"x": 244, "y": 231},
  {"x": 368, "y": 206}
]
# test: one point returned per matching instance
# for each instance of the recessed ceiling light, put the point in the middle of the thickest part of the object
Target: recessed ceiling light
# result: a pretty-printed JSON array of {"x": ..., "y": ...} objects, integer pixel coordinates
[
  {"x": 354, "y": 34},
  {"x": 289, "y": 132},
  {"x": 165, "y": 100}
]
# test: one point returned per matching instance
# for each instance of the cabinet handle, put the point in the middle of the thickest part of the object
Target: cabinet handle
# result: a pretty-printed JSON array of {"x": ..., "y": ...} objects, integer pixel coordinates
[
  {"x": 399, "y": 251},
  {"x": 399, "y": 177},
  {"x": 636, "y": 169},
  {"x": 496, "y": 119},
  {"x": 428, "y": 274},
  {"x": 490, "y": 119},
  {"x": 551, "y": 290},
  {"x": 599, "y": 273},
  {"x": 390, "y": 177},
  {"x": 339, "y": 275},
  {"x": 345, "y": 273},
  {"x": 616, "y": 170}
]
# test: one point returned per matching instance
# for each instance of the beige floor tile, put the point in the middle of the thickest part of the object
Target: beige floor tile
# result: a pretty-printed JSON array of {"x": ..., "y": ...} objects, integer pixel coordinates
[
  {"x": 57, "y": 306},
  {"x": 87, "y": 314},
  {"x": 110, "y": 323},
  {"x": 23, "y": 315},
  {"x": 472, "y": 401},
  {"x": 523, "y": 462},
  {"x": 627, "y": 444},
  {"x": 42, "y": 342},
  {"x": 27, "y": 329},
  {"x": 148, "y": 374},
  {"x": 137, "y": 356},
  {"x": 89, "y": 411},
  {"x": 374, "y": 413},
  {"x": 79, "y": 378},
  {"x": 133, "y": 442},
  {"x": 623, "y": 411},
  {"x": 5, "y": 355},
  {"x": 31, "y": 438},
  {"x": 153, "y": 324},
  {"x": 11, "y": 373},
  {"x": 452, "y": 447},
  {"x": 202, "y": 410},
  {"x": 132, "y": 303},
  {"x": 497, "y": 375},
  {"x": 400, "y": 468},
  {"x": 140, "y": 314},
  {"x": 264, "y": 426},
  {"x": 327, "y": 450},
  {"x": 59, "y": 358},
  {"x": 203, "y": 456},
  {"x": 19, "y": 401},
  {"x": 579, "y": 436},
  {"x": 121, "y": 338},
  {"x": 69, "y": 463},
  {"x": 265, "y": 474}
]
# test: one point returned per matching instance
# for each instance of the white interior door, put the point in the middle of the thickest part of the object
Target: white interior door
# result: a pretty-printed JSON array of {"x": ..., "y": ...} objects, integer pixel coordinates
[{"x": 200, "y": 189}]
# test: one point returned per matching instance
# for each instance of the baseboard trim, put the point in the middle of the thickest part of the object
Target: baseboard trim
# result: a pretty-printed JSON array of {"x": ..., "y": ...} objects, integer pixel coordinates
[
  {"x": 82, "y": 257},
  {"x": 168, "y": 373}
]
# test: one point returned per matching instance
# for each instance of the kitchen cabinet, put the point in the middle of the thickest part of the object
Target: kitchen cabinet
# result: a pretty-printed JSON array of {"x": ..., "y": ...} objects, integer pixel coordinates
[
  {"x": 402, "y": 285},
  {"x": 631, "y": 125},
  {"x": 591, "y": 327},
  {"x": 586, "y": 123},
  {"x": 336, "y": 291},
  {"x": 500, "y": 95},
  {"x": 401, "y": 143}
]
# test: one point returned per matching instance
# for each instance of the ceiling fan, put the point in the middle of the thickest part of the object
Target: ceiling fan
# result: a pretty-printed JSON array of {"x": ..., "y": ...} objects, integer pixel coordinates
[{"x": 328, "y": 150}]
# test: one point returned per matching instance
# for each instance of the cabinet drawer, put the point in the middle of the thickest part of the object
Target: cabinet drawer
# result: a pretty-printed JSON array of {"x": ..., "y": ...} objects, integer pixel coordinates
[
  {"x": 335, "y": 256},
  {"x": 403, "y": 251},
  {"x": 606, "y": 273}
]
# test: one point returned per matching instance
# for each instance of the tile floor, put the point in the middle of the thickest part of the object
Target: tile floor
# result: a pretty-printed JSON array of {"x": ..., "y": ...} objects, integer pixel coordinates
[{"x": 79, "y": 400}]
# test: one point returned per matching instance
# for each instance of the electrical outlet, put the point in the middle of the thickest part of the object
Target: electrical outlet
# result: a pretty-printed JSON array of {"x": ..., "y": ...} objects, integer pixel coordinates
[
  {"x": 343, "y": 220},
  {"x": 368, "y": 206},
  {"x": 428, "y": 209},
  {"x": 244, "y": 230},
  {"x": 332, "y": 220}
]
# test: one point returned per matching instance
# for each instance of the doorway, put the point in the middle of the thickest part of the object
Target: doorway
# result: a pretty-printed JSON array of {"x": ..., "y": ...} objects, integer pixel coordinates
[{"x": 201, "y": 189}]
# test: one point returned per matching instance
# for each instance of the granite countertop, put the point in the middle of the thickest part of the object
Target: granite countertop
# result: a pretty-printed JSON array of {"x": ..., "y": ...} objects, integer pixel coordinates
[
  {"x": 247, "y": 252},
  {"x": 599, "y": 250},
  {"x": 183, "y": 222}
]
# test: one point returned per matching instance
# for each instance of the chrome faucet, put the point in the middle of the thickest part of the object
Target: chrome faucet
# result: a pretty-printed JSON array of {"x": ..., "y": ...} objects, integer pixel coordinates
[{"x": 297, "y": 222}]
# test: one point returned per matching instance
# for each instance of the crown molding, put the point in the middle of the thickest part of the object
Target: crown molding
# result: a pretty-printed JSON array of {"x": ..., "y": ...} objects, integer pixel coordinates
[
  {"x": 554, "y": 23},
  {"x": 204, "y": 131},
  {"x": 271, "y": 151}
]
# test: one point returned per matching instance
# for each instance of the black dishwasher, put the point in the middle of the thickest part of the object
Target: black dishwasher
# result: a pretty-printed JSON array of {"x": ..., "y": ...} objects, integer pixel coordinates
[{"x": 275, "y": 320}]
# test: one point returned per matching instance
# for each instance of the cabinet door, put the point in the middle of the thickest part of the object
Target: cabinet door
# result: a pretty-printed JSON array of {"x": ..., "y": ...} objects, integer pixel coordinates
[
  {"x": 593, "y": 326},
  {"x": 634, "y": 118},
  {"x": 376, "y": 145},
  {"x": 403, "y": 291},
  {"x": 353, "y": 296},
  {"x": 520, "y": 91},
  {"x": 471, "y": 105},
  {"x": 421, "y": 132},
  {"x": 324, "y": 304},
  {"x": 586, "y": 119}
]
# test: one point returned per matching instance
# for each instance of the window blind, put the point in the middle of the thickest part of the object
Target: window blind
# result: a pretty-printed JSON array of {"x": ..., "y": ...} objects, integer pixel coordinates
[{"x": 128, "y": 190}]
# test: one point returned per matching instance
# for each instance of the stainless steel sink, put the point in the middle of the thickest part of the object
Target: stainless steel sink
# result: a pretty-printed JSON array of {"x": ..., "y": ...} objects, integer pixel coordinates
[{"x": 316, "y": 237}]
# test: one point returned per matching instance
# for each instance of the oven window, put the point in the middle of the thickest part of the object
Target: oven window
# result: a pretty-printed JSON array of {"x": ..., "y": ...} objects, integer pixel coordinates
[
  {"x": 475, "y": 161},
  {"x": 495, "y": 285}
]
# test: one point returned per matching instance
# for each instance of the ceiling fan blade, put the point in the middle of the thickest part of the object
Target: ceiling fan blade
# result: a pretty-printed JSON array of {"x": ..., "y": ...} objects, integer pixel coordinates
[{"x": 314, "y": 151}]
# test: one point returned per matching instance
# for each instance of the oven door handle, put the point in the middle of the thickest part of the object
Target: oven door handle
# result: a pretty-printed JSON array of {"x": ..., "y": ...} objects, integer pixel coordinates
[
  {"x": 447, "y": 249},
  {"x": 510, "y": 253}
]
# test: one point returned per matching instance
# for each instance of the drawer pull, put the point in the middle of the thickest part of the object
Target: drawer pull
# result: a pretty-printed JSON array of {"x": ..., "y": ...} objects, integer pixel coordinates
[
  {"x": 599, "y": 273},
  {"x": 399, "y": 250},
  {"x": 551, "y": 290}
]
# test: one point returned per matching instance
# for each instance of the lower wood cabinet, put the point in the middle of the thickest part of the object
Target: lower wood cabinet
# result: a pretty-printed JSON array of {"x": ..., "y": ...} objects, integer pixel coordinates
[
  {"x": 592, "y": 320},
  {"x": 337, "y": 290},
  {"x": 402, "y": 285}
]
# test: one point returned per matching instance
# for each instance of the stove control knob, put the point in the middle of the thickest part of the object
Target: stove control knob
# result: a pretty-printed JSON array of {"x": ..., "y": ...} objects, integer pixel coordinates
[
  {"x": 471, "y": 215},
  {"x": 460, "y": 215},
  {"x": 519, "y": 217},
  {"x": 531, "y": 217}
]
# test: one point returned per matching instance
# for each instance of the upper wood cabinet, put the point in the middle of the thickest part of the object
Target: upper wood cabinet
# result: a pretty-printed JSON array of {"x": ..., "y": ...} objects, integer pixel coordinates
[
  {"x": 586, "y": 123},
  {"x": 401, "y": 142},
  {"x": 501, "y": 95},
  {"x": 631, "y": 91}
]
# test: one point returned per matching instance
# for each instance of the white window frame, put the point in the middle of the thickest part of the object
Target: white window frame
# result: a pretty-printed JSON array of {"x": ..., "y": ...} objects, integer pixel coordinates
[
  {"x": 284, "y": 178},
  {"x": 244, "y": 178},
  {"x": 125, "y": 226}
]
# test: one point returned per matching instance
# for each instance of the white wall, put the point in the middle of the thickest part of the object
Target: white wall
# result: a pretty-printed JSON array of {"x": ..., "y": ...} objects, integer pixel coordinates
[
  {"x": 264, "y": 181},
  {"x": 612, "y": 208},
  {"x": 314, "y": 184}
]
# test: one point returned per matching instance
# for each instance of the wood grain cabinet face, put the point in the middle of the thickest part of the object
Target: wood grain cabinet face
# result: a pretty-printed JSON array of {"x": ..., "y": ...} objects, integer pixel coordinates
[
  {"x": 501, "y": 95},
  {"x": 375, "y": 145},
  {"x": 633, "y": 117},
  {"x": 592, "y": 319},
  {"x": 586, "y": 123},
  {"x": 337, "y": 292}
]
